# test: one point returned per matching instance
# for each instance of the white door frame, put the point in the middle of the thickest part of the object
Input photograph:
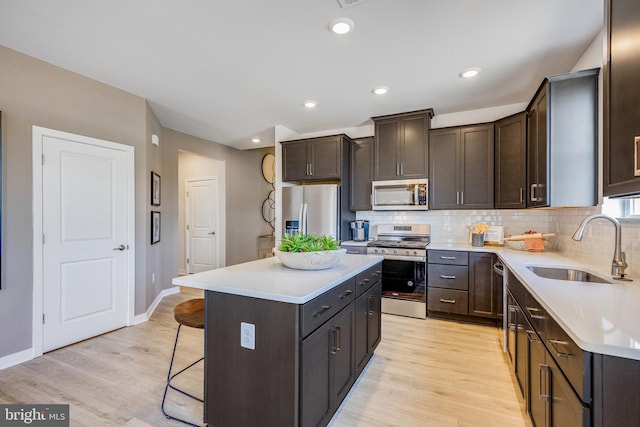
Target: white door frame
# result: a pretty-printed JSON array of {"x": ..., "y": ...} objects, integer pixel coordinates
[
  {"x": 220, "y": 215},
  {"x": 38, "y": 134}
]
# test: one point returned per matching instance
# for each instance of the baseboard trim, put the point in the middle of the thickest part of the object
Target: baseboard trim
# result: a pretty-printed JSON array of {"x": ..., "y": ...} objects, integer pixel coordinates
[
  {"x": 16, "y": 358},
  {"x": 141, "y": 318}
]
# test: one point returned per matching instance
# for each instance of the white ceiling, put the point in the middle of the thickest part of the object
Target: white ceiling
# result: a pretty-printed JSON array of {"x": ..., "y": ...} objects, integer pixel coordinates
[{"x": 228, "y": 70}]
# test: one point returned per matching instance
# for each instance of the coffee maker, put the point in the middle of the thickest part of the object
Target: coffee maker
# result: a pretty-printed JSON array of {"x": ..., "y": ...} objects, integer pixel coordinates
[{"x": 360, "y": 230}]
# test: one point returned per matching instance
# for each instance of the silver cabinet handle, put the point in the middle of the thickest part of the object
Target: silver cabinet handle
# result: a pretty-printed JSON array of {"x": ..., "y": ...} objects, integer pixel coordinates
[
  {"x": 448, "y": 301},
  {"x": 457, "y": 197},
  {"x": 533, "y": 193},
  {"x": 462, "y": 197},
  {"x": 213, "y": 233},
  {"x": 398, "y": 169},
  {"x": 545, "y": 397},
  {"x": 401, "y": 168},
  {"x": 442, "y": 276},
  {"x": 636, "y": 143},
  {"x": 559, "y": 353},
  {"x": 311, "y": 169},
  {"x": 521, "y": 194},
  {"x": 532, "y": 310},
  {"x": 448, "y": 257},
  {"x": 121, "y": 248},
  {"x": 346, "y": 294},
  {"x": 334, "y": 341},
  {"x": 338, "y": 336},
  {"x": 353, "y": 252},
  {"x": 322, "y": 310}
]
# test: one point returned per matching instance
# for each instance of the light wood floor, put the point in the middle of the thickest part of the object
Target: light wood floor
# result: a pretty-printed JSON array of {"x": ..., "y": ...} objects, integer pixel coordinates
[{"x": 424, "y": 373}]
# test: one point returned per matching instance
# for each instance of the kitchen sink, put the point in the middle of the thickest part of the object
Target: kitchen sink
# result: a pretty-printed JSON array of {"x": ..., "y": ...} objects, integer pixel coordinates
[{"x": 562, "y": 273}]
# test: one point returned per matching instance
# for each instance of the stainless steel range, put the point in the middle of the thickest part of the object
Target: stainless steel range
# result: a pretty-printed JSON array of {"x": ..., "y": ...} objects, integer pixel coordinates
[{"x": 404, "y": 268}]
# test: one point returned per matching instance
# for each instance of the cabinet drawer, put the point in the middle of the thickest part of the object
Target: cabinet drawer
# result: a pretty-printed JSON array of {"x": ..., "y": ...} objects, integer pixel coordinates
[
  {"x": 448, "y": 276},
  {"x": 448, "y": 257},
  {"x": 448, "y": 301},
  {"x": 574, "y": 362},
  {"x": 368, "y": 278},
  {"x": 320, "y": 309}
]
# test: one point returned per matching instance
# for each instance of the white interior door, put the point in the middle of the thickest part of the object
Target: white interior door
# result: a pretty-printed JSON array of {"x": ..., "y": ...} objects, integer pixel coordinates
[
  {"x": 86, "y": 267},
  {"x": 202, "y": 225}
]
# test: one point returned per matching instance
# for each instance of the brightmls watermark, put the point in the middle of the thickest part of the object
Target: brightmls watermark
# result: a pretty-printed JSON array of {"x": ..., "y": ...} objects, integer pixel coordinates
[{"x": 34, "y": 415}]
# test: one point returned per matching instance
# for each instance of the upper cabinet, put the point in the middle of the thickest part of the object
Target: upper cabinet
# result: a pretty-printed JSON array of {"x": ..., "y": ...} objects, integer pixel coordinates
[
  {"x": 622, "y": 92},
  {"x": 316, "y": 159},
  {"x": 562, "y": 134},
  {"x": 361, "y": 174},
  {"x": 511, "y": 162},
  {"x": 461, "y": 167},
  {"x": 401, "y": 145}
]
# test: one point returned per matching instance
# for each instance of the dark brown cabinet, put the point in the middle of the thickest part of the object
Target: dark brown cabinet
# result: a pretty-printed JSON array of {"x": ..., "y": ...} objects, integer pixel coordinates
[
  {"x": 537, "y": 150},
  {"x": 401, "y": 145},
  {"x": 622, "y": 91},
  {"x": 361, "y": 174},
  {"x": 327, "y": 369},
  {"x": 484, "y": 298},
  {"x": 316, "y": 159},
  {"x": 368, "y": 325},
  {"x": 511, "y": 162},
  {"x": 554, "y": 375},
  {"x": 562, "y": 138},
  {"x": 461, "y": 167},
  {"x": 304, "y": 360}
]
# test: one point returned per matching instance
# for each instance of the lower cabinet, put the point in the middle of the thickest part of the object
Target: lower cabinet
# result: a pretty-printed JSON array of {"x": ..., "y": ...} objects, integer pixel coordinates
[
  {"x": 306, "y": 357},
  {"x": 328, "y": 370},
  {"x": 551, "y": 400},
  {"x": 463, "y": 283},
  {"x": 335, "y": 354},
  {"x": 368, "y": 325}
]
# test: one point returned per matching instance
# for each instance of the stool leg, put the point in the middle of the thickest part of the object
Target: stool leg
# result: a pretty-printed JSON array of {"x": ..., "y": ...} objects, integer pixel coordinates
[{"x": 171, "y": 377}]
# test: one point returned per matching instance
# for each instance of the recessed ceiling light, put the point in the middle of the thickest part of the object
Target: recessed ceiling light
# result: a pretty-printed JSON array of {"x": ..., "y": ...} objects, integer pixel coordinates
[
  {"x": 341, "y": 25},
  {"x": 255, "y": 140},
  {"x": 470, "y": 72},
  {"x": 310, "y": 103},
  {"x": 380, "y": 90}
]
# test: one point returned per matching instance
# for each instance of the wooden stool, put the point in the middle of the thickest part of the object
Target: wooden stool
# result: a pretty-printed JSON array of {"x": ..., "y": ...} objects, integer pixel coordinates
[{"x": 188, "y": 313}]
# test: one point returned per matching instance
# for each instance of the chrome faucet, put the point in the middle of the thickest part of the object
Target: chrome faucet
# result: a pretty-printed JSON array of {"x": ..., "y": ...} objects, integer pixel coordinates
[{"x": 619, "y": 264}]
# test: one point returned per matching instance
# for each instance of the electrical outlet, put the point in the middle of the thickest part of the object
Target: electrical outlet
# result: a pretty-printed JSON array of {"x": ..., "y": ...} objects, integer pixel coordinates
[{"x": 248, "y": 335}]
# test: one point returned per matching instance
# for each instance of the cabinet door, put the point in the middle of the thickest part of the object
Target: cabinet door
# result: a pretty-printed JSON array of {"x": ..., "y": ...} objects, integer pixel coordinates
[
  {"x": 482, "y": 300},
  {"x": 443, "y": 169},
  {"x": 538, "y": 386},
  {"x": 374, "y": 316},
  {"x": 325, "y": 158},
  {"x": 295, "y": 161},
  {"x": 414, "y": 149},
  {"x": 622, "y": 117},
  {"x": 387, "y": 165},
  {"x": 566, "y": 409},
  {"x": 476, "y": 167},
  {"x": 367, "y": 329},
  {"x": 342, "y": 351},
  {"x": 361, "y": 174},
  {"x": 537, "y": 151},
  {"x": 315, "y": 379},
  {"x": 511, "y": 162},
  {"x": 361, "y": 349}
]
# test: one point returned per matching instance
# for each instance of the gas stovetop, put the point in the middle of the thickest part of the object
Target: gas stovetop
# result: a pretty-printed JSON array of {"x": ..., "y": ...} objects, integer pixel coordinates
[{"x": 409, "y": 244}]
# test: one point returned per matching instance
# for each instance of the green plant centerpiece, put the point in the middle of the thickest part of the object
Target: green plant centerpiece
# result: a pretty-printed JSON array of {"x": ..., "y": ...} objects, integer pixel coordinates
[{"x": 309, "y": 251}]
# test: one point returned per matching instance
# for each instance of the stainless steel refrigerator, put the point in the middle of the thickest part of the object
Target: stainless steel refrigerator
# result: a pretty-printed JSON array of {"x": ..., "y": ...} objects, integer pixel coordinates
[{"x": 316, "y": 209}]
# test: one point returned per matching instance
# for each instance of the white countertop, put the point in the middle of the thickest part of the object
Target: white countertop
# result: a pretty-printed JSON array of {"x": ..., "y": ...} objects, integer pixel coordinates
[
  {"x": 269, "y": 279},
  {"x": 600, "y": 317}
]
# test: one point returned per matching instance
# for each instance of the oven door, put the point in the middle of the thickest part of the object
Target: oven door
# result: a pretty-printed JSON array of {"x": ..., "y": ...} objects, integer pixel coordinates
[{"x": 404, "y": 280}]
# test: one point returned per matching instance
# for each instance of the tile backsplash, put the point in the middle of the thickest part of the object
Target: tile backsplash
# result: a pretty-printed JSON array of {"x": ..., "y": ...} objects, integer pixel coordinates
[{"x": 596, "y": 247}]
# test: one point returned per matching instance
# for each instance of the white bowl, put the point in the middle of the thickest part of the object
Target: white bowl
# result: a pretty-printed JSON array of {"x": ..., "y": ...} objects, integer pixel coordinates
[{"x": 310, "y": 260}]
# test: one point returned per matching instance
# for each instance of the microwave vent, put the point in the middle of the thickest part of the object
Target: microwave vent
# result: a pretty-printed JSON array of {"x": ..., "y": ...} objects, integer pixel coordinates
[{"x": 349, "y": 3}]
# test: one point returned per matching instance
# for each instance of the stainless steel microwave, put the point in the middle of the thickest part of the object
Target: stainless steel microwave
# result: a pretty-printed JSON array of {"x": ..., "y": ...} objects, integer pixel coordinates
[{"x": 400, "y": 195}]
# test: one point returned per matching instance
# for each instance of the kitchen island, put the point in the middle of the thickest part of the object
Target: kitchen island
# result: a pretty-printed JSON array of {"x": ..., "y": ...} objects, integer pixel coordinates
[{"x": 283, "y": 347}]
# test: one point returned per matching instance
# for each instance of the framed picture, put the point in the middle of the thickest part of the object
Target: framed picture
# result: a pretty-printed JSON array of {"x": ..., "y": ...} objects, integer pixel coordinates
[
  {"x": 155, "y": 227},
  {"x": 155, "y": 189}
]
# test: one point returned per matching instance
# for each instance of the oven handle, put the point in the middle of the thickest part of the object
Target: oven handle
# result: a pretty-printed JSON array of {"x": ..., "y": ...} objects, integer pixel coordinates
[{"x": 403, "y": 257}]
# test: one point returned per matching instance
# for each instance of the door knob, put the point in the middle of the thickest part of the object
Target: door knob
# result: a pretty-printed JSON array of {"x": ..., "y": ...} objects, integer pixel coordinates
[{"x": 121, "y": 248}]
